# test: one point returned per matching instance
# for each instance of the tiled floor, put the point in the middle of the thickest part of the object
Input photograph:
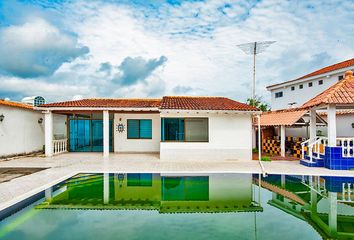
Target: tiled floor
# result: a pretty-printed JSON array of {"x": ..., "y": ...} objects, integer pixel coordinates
[{"x": 66, "y": 165}]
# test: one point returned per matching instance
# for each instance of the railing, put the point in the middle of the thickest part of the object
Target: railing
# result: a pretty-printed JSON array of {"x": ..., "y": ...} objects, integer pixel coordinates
[
  {"x": 347, "y": 145},
  {"x": 316, "y": 146},
  {"x": 60, "y": 146},
  {"x": 303, "y": 145},
  {"x": 347, "y": 192}
]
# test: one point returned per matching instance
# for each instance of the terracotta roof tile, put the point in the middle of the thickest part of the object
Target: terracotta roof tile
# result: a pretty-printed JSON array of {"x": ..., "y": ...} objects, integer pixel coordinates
[
  {"x": 339, "y": 112},
  {"x": 340, "y": 93},
  {"x": 15, "y": 104},
  {"x": 170, "y": 102},
  {"x": 324, "y": 70},
  {"x": 108, "y": 102},
  {"x": 204, "y": 103},
  {"x": 282, "y": 117}
]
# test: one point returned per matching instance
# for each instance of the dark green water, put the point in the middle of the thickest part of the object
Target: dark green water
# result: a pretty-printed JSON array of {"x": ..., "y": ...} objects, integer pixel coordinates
[{"x": 205, "y": 206}]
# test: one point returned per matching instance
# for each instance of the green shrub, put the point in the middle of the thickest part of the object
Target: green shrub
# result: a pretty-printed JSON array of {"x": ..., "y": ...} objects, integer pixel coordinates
[
  {"x": 254, "y": 150},
  {"x": 265, "y": 159}
]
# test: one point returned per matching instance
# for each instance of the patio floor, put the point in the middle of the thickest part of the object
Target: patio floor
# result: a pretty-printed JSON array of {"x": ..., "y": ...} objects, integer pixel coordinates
[{"x": 63, "y": 166}]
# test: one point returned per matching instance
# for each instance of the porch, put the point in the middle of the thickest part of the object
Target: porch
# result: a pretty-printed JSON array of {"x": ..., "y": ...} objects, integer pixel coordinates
[{"x": 332, "y": 152}]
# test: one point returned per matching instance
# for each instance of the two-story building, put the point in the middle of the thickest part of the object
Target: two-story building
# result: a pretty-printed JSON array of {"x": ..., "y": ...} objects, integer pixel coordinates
[{"x": 294, "y": 93}]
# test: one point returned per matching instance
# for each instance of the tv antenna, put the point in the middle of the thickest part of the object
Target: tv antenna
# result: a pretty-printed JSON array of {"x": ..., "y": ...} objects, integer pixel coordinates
[{"x": 254, "y": 48}]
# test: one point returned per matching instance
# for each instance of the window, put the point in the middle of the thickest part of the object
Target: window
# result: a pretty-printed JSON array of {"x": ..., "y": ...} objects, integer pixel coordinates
[
  {"x": 292, "y": 88},
  {"x": 278, "y": 94},
  {"x": 139, "y": 128},
  {"x": 185, "y": 129},
  {"x": 320, "y": 82},
  {"x": 310, "y": 84},
  {"x": 139, "y": 179},
  {"x": 301, "y": 86},
  {"x": 340, "y": 77}
]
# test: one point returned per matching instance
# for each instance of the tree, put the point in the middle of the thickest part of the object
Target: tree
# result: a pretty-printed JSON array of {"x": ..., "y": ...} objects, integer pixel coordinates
[{"x": 258, "y": 103}]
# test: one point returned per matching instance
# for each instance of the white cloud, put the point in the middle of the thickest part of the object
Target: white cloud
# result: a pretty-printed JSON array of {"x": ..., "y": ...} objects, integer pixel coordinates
[{"x": 36, "y": 48}]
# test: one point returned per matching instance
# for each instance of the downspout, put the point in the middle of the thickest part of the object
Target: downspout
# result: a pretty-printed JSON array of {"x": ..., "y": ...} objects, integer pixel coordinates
[{"x": 260, "y": 146}]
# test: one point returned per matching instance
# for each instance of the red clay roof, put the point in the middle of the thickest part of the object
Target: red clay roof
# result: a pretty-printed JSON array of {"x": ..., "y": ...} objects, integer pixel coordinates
[
  {"x": 15, "y": 104},
  {"x": 108, "y": 102},
  {"x": 203, "y": 103},
  {"x": 324, "y": 70},
  {"x": 282, "y": 117},
  {"x": 170, "y": 102},
  {"x": 340, "y": 93}
]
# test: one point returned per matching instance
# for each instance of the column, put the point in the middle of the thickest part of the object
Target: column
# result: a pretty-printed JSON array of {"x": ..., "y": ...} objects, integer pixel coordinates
[
  {"x": 283, "y": 180},
  {"x": 48, "y": 194},
  {"x": 313, "y": 133},
  {"x": 332, "y": 215},
  {"x": 332, "y": 126},
  {"x": 48, "y": 133},
  {"x": 282, "y": 141},
  {"x": 106, "y": 134},
  {"x": 106, "y": 188}
]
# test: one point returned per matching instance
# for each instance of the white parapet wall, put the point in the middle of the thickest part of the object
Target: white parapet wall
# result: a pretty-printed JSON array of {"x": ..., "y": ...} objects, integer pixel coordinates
[
  {"x": 124, "y": 145},
  {"x": 230, "y": 138},
  {"x": 20, "y": 132}
]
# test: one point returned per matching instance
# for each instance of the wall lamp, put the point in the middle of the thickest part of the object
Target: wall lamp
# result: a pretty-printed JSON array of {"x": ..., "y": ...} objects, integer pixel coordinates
[
  {"x": 2, "y": 117},
  {"x": 40, "y": 121}
]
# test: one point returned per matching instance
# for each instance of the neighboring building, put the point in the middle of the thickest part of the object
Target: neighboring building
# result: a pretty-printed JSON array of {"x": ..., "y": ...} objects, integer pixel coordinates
[
  {"x": 179, "y": 128},
  {"x": 22, "y": 129},
  {"x": 294, "y": 93},
  {"x": 34, "y": 100}
]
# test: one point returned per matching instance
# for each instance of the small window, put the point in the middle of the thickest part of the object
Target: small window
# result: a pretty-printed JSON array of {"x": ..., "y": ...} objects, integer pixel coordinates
[
  {"x": 139, "y": 128},
  {"x": 310, "y": 84},
  {"x": 320, "y": 82},
  {"x": 340, "y": 77},
  {"x": 292, "y": 88},
  {"x": 278, "y": 94},
  {"x": 301, "y": 86}
]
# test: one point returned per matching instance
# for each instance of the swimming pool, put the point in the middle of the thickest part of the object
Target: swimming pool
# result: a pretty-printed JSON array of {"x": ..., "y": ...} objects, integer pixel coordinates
[{"x": 187, "y": 206}]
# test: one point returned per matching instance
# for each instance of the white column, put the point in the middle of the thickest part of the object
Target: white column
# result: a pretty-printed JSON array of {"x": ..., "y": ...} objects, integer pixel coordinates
[
  {"x": 48, "y": 194},
  {"x": 48, "y": 133},
  {"x": 332, "y": 126},
  {"x": 106, "y": 188},
  {"x": 283, "y": 180},
  {"x": 105, "y": 133},
  {"x": 282, "y": 141},
  {"x": 313, "y": 133},
  {"x": 332, "y": 216}
]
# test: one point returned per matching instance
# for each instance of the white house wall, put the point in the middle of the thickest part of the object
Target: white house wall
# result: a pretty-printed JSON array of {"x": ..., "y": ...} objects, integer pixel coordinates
[
  {"x": 20, "y": 132},
  {"x": 123, "y": 144},
  {"x": 230, "y": 137}
]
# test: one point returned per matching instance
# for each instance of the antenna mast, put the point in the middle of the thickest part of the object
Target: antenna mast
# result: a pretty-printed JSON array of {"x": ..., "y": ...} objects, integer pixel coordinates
[{"x": 254, "y": 48}]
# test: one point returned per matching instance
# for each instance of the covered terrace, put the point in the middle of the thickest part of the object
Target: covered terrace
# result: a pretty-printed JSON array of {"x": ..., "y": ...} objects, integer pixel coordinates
[{"x": 276, "y": 126}]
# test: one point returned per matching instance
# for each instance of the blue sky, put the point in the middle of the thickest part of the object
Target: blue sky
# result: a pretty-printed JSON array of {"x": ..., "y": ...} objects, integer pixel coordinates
[{"x": 66, "y": 49}]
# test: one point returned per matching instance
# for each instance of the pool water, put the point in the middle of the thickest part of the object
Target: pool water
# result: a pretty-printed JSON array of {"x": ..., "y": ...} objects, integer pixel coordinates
[{"x": 188, "y": 206}]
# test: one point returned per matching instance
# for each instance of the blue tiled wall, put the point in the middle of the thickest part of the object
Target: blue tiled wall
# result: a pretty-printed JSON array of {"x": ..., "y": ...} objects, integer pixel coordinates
[
  {"x": 334, "y": 160},
  {"x": 335, "y": 184}
]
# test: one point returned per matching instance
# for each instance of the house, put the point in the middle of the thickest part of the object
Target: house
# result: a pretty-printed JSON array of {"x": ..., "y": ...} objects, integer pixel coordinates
[
  {"x": 287, "y": 99},
  {"x": 294, "y": 93},
  {"x": 22, "y": 130},
  {"x": 176, "y": 127}
]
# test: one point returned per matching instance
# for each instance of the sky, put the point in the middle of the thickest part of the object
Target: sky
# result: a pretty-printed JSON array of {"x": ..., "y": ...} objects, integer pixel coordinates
[{"x": 65, "y": 50}]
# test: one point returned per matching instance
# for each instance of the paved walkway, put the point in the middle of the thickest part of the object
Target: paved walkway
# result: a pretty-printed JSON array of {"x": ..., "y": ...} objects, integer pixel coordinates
[{"x": 66, "y": 165}]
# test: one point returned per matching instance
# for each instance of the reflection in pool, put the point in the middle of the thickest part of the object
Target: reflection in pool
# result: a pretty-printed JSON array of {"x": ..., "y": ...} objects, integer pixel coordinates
[{"x": 182, "y": 206}]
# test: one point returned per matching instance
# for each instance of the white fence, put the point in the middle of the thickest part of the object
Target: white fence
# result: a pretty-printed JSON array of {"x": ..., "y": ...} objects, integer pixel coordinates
[
  {"x": 347, "y": 145},
  {"x": 60, "y": 146}
]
